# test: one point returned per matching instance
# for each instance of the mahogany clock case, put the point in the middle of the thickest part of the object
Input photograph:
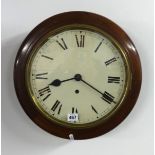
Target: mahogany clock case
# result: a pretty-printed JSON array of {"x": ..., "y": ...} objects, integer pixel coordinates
[{"x": 58, "y": 21}]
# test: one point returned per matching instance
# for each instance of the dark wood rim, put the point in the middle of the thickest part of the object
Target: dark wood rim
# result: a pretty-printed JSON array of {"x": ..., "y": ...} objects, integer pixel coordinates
[{"x": 53, "y": 23}]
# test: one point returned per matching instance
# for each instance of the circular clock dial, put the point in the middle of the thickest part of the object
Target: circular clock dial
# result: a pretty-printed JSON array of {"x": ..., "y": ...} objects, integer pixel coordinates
[{"x": 77, "y": 76}]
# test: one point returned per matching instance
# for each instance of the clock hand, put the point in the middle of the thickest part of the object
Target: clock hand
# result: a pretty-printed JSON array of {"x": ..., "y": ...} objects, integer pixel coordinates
[
  {"x": 58, "y": 82},
  {"x": 78, "y": 77},
  {"x": 91, "y": 86},
  {"x": 105, "y": 96}
]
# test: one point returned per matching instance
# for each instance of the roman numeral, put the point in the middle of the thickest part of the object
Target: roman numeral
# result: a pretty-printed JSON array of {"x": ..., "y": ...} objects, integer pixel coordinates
[
  {"x": 110, "y": 61},
  {"x": 47, "y": 57},
  {"x": 58, "y": 106},
  {"x": 74, "y": 110},
  {"x": 46, "y": 97},
  {"x": 45, "y": 92},
  {"x": 94, "y": 109},
  {"x": 80, "y": 40},
  {"x": 108, "y": 97},
  {"x": 98, "y": 46},
  {"x": 112, "y": 79},
  {"x": 59, "y": 109},
  {"x": 41, "y": 76},
  {"x": 62, "y": 44}
]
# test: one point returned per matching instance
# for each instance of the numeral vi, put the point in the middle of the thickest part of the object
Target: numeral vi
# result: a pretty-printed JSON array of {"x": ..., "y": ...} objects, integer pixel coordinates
[{"x": 74, "y": 110}]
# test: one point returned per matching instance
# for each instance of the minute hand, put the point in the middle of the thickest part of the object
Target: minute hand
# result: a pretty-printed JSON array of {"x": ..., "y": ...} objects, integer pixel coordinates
[
  {"x": 91, "y": 86},
  {"x": 106, "y": 96}
]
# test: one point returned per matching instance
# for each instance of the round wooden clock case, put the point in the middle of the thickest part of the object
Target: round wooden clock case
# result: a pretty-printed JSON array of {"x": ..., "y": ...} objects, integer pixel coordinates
[{"x": 79, "y": 27}]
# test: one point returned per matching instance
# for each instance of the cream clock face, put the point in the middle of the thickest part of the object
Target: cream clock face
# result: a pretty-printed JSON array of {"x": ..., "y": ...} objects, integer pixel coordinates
[{"x": 77, "y": 73}]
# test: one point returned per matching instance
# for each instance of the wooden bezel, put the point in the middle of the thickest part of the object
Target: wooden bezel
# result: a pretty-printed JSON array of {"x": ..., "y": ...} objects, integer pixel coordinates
[{"x": 52, "y": 24}]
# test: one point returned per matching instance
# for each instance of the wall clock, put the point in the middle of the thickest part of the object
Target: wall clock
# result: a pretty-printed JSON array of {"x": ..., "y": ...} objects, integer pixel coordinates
[{"x": 77, "y": 74}]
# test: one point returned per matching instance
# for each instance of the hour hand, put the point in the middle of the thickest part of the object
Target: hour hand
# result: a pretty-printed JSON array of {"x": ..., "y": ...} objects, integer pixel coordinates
[
  {"x": 55, "y": 83},
  {"x": 58, "y": 82}
]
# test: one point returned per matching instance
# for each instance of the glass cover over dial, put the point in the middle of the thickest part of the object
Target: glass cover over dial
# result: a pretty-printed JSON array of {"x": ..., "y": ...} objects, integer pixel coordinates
[{"x": 77, "y": 73}]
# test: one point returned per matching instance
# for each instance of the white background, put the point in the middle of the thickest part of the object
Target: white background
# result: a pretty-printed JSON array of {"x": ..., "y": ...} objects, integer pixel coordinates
[{"x": 20, "y": 136}]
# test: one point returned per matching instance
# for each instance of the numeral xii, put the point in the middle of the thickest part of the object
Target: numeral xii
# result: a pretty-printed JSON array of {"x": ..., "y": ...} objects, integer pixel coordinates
[{"x": 80, "y": 40}]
